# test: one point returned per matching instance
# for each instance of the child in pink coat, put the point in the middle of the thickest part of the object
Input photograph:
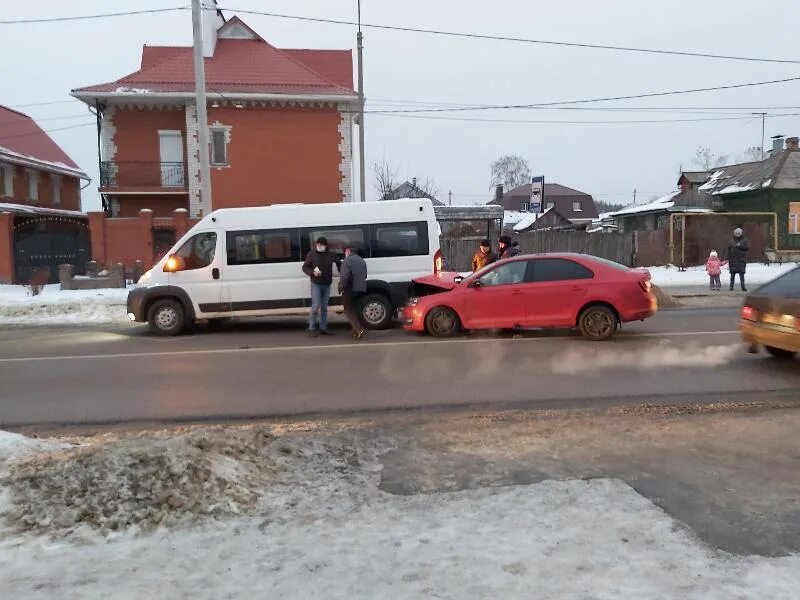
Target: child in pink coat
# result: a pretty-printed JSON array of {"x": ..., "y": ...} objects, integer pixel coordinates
[{"x": 714, "y": 268}]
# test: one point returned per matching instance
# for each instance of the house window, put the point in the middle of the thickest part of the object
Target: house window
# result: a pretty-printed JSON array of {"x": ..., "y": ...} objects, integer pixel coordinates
[
  {"x": 33, "y": 186},
  {"x": 7, "y": 180},
  {"x": 219, "y": 146},
  {"x": 577, "y": 206},
  {"x": 525, "y": 207},
  {"x": 794, "y": 218},
  {"x": 56, "y": 179},
  {"x": 550, "y": 205}
]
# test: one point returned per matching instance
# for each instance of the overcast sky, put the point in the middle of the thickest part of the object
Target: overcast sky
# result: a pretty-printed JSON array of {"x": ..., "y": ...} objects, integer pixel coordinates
[{"x": 42, "y": 62}]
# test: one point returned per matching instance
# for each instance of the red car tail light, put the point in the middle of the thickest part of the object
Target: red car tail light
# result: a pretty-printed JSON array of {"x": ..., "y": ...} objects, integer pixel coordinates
[
  {"x": 749, "y": 313},
  {"x": 438, "y": 262},
  {"x": 645, "y": 285}
]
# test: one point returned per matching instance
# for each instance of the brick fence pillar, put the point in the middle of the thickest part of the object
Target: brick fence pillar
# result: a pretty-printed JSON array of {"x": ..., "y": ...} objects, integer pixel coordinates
[
  {"x": 97, "y": 237},
  {"x": 6, "y": 248},
  {"x": 180, "y": 220},
  {"x": 146, "y": 233}
]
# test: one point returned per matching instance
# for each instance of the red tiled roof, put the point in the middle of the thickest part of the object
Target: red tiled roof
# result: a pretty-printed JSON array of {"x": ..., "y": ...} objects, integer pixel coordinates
[
  {"x": 333, "y": 65},
  {"x": 21, "y": 137},
  {"x": 241, "y": 65}
]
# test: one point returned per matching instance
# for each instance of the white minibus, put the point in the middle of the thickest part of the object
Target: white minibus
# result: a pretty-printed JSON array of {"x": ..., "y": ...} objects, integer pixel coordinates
[{"x": 246, "y": 262}]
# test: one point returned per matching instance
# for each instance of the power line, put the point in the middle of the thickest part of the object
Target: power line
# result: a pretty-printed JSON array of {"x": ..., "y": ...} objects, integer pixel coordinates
[
  {"x": 505, "y": 38},
  {"x": 20, "y": 135},
  {"x": 606, "y": 99},
  {"x": 96, "y": 16},
  {"x": 44, "y": 103},
  {"x": 60, "y": 118},
  {"x": 564, "y": 122}
]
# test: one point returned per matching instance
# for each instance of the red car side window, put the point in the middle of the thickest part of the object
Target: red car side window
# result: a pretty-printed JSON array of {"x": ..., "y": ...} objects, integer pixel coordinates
[{"x": 556, "y": 269}]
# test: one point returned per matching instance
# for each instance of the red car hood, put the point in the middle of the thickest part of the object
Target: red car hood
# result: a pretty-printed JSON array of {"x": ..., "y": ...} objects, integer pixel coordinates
[{"x": 445, "y": 281}]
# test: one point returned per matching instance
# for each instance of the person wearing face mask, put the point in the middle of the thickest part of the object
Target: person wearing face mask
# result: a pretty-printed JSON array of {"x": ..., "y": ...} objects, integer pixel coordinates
[{"x": 319, "y": 268}]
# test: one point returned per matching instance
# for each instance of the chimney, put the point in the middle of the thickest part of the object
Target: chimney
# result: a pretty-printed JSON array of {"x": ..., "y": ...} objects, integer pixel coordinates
[
  {"x": 777, "y": 144},
  {"x": 791, "y": 143},
  {"x": 414, "y": 181},
  {"x": 498, "y": 192},
  {"x": 211, "y": 22}
]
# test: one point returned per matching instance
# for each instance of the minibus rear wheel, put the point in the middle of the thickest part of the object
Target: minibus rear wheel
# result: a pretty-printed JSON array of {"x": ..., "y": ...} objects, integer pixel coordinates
[
  {"x": 376, "y": 311},
  {"x": 166, "y": 317}
]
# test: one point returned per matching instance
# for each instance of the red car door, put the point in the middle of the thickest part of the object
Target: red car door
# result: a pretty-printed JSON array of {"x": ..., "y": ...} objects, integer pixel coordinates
[
  {"x": 496, "y": 300},
  {"x": 557, "y": 289}
]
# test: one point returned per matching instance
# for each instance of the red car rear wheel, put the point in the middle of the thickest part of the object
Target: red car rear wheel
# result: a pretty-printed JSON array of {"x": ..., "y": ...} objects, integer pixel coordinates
[{"x": 597, "y": 323}]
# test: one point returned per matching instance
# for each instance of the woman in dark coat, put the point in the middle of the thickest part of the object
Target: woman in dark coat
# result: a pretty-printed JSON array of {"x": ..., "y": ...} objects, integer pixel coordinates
[{"x": 737, "y": 257}]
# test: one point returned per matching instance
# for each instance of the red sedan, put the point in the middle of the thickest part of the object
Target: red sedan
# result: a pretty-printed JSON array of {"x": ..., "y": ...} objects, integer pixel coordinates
[{"x": 548, "y": 291}]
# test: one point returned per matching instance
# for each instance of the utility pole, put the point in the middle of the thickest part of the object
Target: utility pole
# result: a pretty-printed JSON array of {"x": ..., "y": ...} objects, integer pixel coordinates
[
  {"x": 634, "y": 195},
  {"x": 763, "y": 118},
  {"x": 200, "y": 105},
  {"x": 360, "y": 47},
  {"x": 450, "y": 198}
]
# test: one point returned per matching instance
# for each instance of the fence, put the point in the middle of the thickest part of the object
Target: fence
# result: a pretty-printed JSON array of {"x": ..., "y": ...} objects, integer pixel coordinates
[{"x": 618, "y": 247}]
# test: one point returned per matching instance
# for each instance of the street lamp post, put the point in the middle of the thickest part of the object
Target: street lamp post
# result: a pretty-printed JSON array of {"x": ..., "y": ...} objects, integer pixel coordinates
[{"x": 361, "y": 161}]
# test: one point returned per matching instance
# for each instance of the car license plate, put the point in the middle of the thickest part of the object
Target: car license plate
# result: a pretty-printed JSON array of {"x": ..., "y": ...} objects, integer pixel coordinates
[{"x": 776, "y": 319}]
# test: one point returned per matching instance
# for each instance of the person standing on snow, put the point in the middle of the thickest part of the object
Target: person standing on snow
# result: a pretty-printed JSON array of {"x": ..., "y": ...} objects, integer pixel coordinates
[
  {"x": 319, "y": 268},
  {"x": 353, "y": 286},
  {"x": 714, "y": 269},
  {"x": 507, "y": 248},
  {"x": 484, "y": 256},
  {"x": 737, "y": 257}
]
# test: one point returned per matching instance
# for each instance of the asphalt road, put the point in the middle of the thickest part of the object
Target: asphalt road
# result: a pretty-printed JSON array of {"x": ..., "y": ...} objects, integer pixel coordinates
[{"x": 259, "y": 368}]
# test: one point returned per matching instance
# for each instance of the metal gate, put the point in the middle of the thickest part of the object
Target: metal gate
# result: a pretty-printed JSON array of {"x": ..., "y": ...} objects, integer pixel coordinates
[{"x": 42, "y": 244}]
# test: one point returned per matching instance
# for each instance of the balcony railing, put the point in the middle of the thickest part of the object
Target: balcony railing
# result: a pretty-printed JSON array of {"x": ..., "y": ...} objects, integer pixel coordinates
[{"x": 135, "y": 174}]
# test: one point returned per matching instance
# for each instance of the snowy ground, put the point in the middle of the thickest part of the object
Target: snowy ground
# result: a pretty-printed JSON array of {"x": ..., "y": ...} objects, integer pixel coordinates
[
  {"x": 320, "y": 527},
  {"x": 756, "y": 275},
  {"x": 54, "y": 306}
]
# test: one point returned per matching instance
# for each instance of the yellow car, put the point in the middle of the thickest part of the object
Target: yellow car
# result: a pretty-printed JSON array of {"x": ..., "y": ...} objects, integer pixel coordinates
[{"x": 771, "y": 317}]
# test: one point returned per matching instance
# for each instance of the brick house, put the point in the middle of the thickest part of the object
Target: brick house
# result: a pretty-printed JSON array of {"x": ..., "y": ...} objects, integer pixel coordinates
[
  {"x": 578, "y": 207},
  {"x": 41, "y": 224},
  {"x": 280, "y": 131}
]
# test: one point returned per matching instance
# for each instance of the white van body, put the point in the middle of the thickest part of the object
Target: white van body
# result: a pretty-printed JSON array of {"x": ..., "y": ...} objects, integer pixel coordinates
[{"x": 247, "y": 262}]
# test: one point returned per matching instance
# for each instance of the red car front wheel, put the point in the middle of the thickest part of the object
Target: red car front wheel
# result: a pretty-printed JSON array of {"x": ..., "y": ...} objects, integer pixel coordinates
[{"x": 442, "y": 322}]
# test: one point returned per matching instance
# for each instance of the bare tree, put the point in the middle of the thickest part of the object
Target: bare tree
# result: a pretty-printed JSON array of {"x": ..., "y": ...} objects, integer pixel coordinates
[
  {"x": 511, "y": 171},
  {"x": 385, "y": 178},
  {"x": 428, "y": 188},
  {"x": 752, "y": 154},
  {"x": 706, "y": 159}
]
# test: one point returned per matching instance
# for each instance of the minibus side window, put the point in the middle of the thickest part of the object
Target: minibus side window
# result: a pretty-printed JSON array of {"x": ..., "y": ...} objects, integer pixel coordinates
[
  {"x": 197, "y": 252},
  {"x": 399, "y": 239},
  {"x": 260, "y": 246}
]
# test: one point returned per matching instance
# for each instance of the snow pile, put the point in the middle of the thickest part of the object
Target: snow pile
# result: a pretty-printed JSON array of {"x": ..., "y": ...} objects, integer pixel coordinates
[
  {"x": 151, "y": 481},
  {"x": 552, "y": 540},
  {"x": 757, "y": 274},
  {"x": 55, "y": 306},
  {"x": 14, "y": 446}
]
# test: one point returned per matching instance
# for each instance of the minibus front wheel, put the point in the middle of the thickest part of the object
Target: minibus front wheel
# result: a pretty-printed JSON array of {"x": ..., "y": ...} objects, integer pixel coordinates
[{"x": 166, "y": 317}]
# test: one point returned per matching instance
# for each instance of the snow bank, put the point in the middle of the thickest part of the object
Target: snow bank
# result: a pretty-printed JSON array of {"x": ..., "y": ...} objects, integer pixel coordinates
[
  {"x": 756, "y": 274},
  {"x": 165, "y": 480},
  {"x": 56, "y": 306},
  {"x": 556, "y": 539}
]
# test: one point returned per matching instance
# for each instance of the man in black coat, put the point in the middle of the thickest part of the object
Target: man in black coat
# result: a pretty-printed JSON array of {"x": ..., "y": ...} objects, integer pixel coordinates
[{"x": 737, "y": 257}]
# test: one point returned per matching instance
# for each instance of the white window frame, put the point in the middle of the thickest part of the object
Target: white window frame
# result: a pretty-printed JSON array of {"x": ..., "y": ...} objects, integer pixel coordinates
[
  {"x": 56, "y": 181},
  {"x": 33, "y": 185},
  {"x": 577, "y": 206},
  {"x": 215, "y": 131},
  {"x": 549, "y": 204},
  {"x": 8, "y": 180},
  {"x": 794, "y": 219},
  {"x": 525, "y": 207}
]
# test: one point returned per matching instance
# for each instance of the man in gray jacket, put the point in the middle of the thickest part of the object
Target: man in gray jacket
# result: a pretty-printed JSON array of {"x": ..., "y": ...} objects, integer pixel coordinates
[{"x": 353, "y": 286}]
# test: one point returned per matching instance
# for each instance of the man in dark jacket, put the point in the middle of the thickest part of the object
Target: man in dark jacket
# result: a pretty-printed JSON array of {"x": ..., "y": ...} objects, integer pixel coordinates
[
  {"x": 484, "y": 256},
  {"x": 319, "y": 268},
  {"x": 507, "y": 248},
  {"x": 353, "y": 286},
  {"x": 737, "y": 257}
]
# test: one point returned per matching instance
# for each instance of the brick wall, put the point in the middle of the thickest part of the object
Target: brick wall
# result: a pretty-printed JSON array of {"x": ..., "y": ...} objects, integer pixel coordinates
[
  {"x": 70, "y": 189},
  {"x": 6, "y": 247},
  {"x": 126, "y": 240}
]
